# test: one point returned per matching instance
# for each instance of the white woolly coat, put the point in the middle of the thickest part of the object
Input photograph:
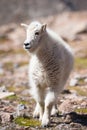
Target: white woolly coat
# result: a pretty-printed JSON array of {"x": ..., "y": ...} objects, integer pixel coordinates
[{"x": 50, "y": 66}]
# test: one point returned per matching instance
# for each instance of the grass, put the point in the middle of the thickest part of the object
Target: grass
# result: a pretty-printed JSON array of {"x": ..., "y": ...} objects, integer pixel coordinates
[
  {"x": 80, "y": 91},
  {"x": 11, "y": 88},
  {"x": 81, "y": 110},
  {"x": 24, "y": 102},
  {"x": 19, "y": 51},
  {"x": 81, "y": 63},
  {"x": 12, "y": 97},
  {"x": 3, "y": 52},
  {"x": 8, "y": 65},
  {"x": 12, "y": 51},
  {"x": 23, "y": 63},
  {"x": 27, "y": 122}
]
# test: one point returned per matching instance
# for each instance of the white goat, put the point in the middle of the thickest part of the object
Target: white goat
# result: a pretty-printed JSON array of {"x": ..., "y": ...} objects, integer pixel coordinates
[{"x": 49, "y": 68}]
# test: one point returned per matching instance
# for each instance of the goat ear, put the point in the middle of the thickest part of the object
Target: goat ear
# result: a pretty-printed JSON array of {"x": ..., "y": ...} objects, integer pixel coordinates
[
  {"x": 43, "y": 27},
  {"x": 24, "y": 25}
]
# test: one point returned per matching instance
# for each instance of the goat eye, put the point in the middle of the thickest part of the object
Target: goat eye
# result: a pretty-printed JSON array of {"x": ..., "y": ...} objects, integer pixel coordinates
[{"x": 36, "y": 33}]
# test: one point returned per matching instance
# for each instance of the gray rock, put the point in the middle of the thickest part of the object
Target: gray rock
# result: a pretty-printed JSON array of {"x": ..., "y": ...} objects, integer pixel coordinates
[
  {"x": 1, "y": 71},
  {"x": 76, "y": 80},
  {"x": 73, "y": 82},
  {"x": 3, "y": 89},
  {"x": 6, "y": 117},
  {"x": 6, "y": 94},
  {"x": 25, "y": 92},
  {"x": 16, "y": 66},
  {"x": 20, "y": 108}
]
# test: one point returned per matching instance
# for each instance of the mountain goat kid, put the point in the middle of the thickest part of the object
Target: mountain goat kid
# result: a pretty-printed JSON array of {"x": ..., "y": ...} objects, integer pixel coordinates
[{"x": 49, "y": 68}]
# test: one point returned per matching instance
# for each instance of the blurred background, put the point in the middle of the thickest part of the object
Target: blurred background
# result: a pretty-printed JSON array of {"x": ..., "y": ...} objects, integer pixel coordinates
[
  {"x": 68, "y": 18},
  {"x": 17, "y": 11}
]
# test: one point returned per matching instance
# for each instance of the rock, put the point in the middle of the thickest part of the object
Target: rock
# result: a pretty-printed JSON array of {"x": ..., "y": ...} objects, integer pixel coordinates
[
  {"x": 85, "y": 80},
  {"x": 66, "y": 107},
  {"x": 1, "y": 71},
  {"x": 16, "y": 66},
  {"x": 66, "y": 91},
  {"x": 71, "y": 96},
  {"x": 73, "y": 82},
  {"x": 6, "y": 94},
  {"x": 6, "y": 117},
  {"x": 9, "y": 109},
  {"x": 67, "y": 119},
  {"x": 20, "y": 109},
  {"x": 75, "y": 125},
  {"x": 25, "y": 92},
  {"x": 3, "y": 89},
  {"x": 82, "y": 28},
  {"x": 81, "y": 77},
  {"x": 84, "y": 104},
  {"x": 62, "y": 126},
  {"x": 10, "y": 126},
  {"x": 4, "y": 102},
  {"x": 78, "y": 80},
  {"x": 0, "y": 119}
]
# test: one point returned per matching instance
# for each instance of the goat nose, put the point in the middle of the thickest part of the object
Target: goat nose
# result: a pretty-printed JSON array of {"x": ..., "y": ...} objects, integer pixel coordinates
[{"x": 26, "y": 43}]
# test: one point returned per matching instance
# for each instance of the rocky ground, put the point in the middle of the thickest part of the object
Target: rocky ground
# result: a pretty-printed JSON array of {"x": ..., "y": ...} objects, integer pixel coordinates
[{"x": 16, "y": 110}]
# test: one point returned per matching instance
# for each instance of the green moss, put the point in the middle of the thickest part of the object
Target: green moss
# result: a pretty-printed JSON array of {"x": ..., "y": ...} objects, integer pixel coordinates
[
  {"x": 23, "y": 102},
  {"x": 81, "y": 110},
  {"x": 27, "y": 122},
  {"x": 81, "y": 63},
  {"x": 12, "y": 97}
]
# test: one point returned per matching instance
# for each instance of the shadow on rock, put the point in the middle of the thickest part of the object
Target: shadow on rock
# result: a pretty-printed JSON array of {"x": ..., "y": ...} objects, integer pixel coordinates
[{"x": 76, "y": 118}]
